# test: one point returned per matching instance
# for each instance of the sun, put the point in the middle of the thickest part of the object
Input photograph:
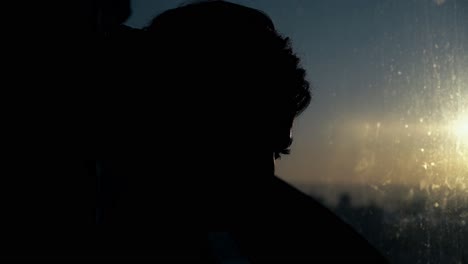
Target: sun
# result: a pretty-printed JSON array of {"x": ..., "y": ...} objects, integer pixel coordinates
[{"x": 460, "y": 128}]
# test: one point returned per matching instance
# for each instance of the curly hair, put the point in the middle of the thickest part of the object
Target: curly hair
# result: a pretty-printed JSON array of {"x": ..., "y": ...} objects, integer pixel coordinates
[{"x": 216, "y": 49}]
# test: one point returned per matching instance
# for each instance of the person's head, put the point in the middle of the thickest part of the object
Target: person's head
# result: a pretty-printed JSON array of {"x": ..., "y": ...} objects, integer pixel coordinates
[{"x": 231, "y": 73}]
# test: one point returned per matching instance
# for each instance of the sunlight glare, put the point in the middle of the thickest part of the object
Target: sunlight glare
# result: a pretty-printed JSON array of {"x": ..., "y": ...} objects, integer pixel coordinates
[{"x": 460, "y": 128}]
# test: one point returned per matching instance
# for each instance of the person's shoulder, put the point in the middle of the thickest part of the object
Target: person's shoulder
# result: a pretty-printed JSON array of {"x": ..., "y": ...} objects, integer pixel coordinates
[{"x": 317, "y": 229}]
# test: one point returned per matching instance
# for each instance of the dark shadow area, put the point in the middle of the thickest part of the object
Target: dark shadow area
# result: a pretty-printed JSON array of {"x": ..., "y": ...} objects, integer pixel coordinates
[{"x": 192, "y": 112}]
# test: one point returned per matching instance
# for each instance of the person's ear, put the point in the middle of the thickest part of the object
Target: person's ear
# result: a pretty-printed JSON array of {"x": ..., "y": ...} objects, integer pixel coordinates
[{"x": 282, "y": 138}]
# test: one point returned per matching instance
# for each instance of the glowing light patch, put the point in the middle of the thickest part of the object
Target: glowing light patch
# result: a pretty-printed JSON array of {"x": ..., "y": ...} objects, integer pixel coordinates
[{"x": 460, "y": 129}]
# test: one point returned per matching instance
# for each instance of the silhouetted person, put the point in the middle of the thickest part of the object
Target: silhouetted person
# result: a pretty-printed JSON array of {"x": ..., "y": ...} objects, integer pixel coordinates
[{"x": 225, "y": 89}]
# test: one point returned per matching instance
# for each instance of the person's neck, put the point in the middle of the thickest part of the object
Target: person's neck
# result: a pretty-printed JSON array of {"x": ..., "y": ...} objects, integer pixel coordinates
[{"x": 239, "y": 166}]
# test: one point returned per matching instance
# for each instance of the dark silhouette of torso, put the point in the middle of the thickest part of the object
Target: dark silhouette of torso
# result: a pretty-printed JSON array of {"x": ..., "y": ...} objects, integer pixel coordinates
[{"x": 264, "y": 219}]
